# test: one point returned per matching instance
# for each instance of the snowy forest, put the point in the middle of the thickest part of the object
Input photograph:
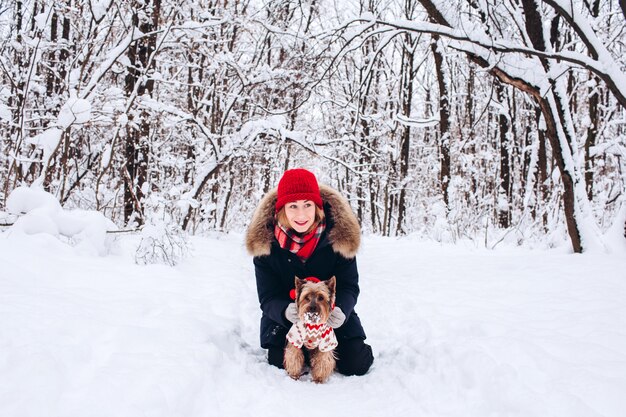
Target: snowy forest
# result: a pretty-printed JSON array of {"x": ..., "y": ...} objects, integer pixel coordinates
[
  {"x": 480, "y": 143},
  {"x": 479, "y": 119}
]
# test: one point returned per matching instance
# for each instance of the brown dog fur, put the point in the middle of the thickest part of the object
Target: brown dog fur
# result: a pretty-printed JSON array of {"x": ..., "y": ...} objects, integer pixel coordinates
[{"x": 312, "y": 297}]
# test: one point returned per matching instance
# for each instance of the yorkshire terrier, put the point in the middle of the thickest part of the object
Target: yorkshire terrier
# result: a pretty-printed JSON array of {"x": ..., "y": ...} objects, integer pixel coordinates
[{"x": 314, "y": 302}]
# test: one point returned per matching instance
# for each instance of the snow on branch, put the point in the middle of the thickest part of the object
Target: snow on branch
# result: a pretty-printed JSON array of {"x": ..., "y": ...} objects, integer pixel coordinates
[
  {"x": 113, "y": 55},
  {"x": 606, "y": 68},
  {"x": 420, "y": 123}
]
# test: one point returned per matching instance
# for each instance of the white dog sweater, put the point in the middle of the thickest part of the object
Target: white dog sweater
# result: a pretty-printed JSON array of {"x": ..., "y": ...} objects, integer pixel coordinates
[{"x": 312, "y": 336}]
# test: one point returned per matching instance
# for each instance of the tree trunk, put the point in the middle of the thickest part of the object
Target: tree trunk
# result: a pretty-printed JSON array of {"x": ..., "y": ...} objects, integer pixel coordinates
[
  {"x": 231, "y": 184},
  {"x": 542, "y": 171},
  {"x": 555, "y": 109},
  {"x": 16, "y": 103},
  {"x": 51, "y": 76},
  {"x": 64, "y": 55},
  {"x": 594, "y": 121},
  {"x": 373, "y": 210},
  {"x": 145, "y": 20},
  {"x": 444, "y": 124},
  {"x": 590, "y": 142},
  {"x": 406, "y": 95},
  {"x": 504, "y": 190}
]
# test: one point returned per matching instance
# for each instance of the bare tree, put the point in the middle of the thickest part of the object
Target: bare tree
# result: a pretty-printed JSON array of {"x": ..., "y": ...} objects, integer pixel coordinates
[
  {"x": 444, "y": 123},
  {"x": 137, "y": 146}
]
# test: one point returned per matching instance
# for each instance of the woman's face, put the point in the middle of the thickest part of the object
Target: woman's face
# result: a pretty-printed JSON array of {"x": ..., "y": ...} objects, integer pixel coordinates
[{"x": 301, "y": 215}]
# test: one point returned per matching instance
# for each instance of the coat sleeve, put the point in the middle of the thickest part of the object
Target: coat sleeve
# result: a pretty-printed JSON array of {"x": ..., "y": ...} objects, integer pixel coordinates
[
  {"x": 348, "y": 290},
  {"x": 272, "y": 299}
]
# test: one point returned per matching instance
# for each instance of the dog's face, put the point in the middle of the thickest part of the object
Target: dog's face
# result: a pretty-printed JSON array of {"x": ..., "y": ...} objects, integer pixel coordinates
[{"x": 314, "y": 300}]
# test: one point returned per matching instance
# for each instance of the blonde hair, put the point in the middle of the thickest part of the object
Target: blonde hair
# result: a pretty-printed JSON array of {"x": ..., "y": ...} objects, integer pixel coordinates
[{"x": 281, "y": 218}]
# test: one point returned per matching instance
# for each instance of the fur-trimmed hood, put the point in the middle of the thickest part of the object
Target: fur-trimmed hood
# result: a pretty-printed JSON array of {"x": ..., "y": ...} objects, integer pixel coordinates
[{"x": 344, "y": 236}]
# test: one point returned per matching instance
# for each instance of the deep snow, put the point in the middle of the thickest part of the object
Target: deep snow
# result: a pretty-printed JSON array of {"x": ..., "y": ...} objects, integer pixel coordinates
[{"x": 456, "y": 330}]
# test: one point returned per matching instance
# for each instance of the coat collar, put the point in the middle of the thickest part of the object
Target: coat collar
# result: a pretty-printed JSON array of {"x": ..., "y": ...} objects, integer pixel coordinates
[{"x": 343, "y": 233}]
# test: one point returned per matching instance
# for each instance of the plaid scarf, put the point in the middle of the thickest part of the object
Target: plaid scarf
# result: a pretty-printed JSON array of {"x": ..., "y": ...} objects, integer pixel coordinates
[{"x": 303, "y": 246}]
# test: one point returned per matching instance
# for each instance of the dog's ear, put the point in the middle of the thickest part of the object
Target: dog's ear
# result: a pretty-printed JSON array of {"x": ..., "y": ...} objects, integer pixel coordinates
[
  {"x": 332, "y": 285},
  {"x": 299, "y": 284}
]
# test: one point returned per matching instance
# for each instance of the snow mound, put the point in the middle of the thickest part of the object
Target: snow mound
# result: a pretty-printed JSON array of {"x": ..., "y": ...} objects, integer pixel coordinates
[
  {"x": 24, "y": 199},
  {"x": 40, "y": 213}
]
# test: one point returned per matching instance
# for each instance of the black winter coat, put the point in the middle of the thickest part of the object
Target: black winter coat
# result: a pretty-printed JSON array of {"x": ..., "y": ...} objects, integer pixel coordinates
[{"x": 276, "y": 268}]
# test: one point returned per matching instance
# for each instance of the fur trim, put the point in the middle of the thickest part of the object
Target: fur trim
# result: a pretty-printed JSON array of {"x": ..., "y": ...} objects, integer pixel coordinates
[{"x": 344, "y": 236}]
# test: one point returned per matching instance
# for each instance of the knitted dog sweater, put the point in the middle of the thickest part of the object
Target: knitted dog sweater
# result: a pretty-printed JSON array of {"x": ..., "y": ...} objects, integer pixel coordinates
[{"x": 312, "y": 336}]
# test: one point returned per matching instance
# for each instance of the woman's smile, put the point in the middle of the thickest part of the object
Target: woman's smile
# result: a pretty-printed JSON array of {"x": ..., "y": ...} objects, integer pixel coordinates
[{"x": 301, "y": 215}]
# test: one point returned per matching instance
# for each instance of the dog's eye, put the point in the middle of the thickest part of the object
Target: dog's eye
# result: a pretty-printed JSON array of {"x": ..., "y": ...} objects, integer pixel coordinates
[
  {"x": 320, "y": 298},
  {"x": 307, "y": 298}
]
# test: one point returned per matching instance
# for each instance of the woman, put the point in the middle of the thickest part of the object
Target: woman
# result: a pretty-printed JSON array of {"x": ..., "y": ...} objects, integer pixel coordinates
[{"x": 305, "y": 230}]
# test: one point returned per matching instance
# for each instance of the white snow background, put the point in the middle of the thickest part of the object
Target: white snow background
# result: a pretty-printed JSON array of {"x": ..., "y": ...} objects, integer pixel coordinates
[{"x": 457, "y": 330}]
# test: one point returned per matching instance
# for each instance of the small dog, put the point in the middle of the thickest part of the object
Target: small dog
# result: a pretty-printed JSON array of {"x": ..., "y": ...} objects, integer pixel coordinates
[{"x": 314, "y": 302}]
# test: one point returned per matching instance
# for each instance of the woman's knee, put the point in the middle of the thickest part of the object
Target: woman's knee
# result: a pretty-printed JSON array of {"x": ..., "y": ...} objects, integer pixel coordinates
[
  {"x": 354, "y": 357},
  {"x": 276, "y": 356}
]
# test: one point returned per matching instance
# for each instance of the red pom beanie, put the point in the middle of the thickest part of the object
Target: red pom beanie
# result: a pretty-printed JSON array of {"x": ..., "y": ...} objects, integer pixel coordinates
[{"x": 298, "y": 184}]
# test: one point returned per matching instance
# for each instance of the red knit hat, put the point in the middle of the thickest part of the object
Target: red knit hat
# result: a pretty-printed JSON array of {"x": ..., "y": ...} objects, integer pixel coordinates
[{"x": 298, "y": 184}]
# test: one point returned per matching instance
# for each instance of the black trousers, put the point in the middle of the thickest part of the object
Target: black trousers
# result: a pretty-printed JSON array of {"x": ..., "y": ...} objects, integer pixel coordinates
[{"x": 354, "y": 356}]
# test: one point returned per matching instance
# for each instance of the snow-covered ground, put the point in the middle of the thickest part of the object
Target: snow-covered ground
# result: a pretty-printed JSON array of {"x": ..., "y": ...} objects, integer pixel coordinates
[{"x": 457, "y": 331}]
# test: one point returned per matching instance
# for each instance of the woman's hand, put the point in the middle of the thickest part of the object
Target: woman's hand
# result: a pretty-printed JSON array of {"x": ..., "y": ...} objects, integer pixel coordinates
[
  {"x": 291, "y": 313},
  {"x": 336, "y": 318}
]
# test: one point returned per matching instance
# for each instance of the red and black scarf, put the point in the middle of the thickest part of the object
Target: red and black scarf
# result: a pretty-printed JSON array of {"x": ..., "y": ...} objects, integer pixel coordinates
[{"x": 303, "y": 246}]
